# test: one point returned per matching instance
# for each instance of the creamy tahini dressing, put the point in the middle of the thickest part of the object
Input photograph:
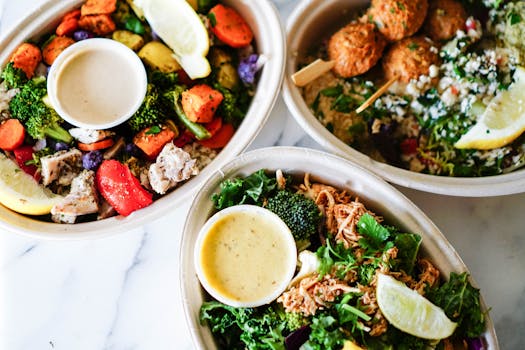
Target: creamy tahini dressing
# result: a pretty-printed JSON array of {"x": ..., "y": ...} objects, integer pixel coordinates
[
  {"x": 245, "y": 257},
  {"x": 97, "y": 86}
]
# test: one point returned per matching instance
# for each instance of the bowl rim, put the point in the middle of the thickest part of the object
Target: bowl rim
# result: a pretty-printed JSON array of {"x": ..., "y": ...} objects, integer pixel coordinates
[
  {"x": 412, "y": 216},
  {"x": 289, "y": 246},
  {"x": 497, "y": 185},
  {"x": 47, "y": 14}
]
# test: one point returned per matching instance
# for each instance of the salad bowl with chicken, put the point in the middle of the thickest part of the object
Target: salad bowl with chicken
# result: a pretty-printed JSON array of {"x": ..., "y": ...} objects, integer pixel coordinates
[
  {"x": 71, "y": 165},
  {"x": 428, "y": 93},
  {"x": 372, "y": 270}
]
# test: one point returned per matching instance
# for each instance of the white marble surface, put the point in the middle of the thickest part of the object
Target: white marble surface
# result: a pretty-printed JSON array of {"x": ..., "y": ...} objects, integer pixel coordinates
[{"x": 122, "y": 292}]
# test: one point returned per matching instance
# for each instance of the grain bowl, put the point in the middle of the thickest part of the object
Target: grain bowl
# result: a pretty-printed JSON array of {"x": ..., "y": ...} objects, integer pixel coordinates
[
  {"x": 260, "y": 47},
  {"x": 291, "y": 163},
  {"x": 383, "y": 138}
]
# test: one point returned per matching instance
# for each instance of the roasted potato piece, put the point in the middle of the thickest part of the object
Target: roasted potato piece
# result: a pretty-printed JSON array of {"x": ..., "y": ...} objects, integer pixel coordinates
[
  {"x": 131, "y": 40},
  {"x": 225, "y": 71},
  {"x": 138, "y": 11},
  {"x": 159, "y": 56}
]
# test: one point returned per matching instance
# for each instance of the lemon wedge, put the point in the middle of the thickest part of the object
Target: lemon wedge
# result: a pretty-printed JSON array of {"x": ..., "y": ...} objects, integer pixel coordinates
[
  {"x": 180, "y": 27},
  {"x": 410, "y": 312},
  {"x": 502, "y": 122},
  {"x": 21, "y": 193}
]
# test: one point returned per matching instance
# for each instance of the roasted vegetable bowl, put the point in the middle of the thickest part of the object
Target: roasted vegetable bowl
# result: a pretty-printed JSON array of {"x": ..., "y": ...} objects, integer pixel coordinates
[{"x": 205, "y": 101}]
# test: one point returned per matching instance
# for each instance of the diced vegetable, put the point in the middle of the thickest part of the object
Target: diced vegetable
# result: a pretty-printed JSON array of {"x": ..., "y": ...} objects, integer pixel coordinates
[
  {"x": 201, "y": 102},
  {"x": 23, "y": 155},
  {"x": 98, "y": 24},
  {"x": 72, "y": 14},
  {"x": 12, "y": 134},
  {"x": 27, "y": 57},
  {"x": 151, "y": 140},
  {"x": 229, "y": 26},
  {"x": 160, "y": 57},
  {"x": 98, "y": 7},
  {"x": 120, "y": 188},
  {"x": 214, "y": 125},
  {"x": 221, "y": 137},
  {"x": 55, "y": 48},
  {"x": 131, "y": 40},
  {"x": 102, "y": 144},
  {"x": 69, "y": 23}
]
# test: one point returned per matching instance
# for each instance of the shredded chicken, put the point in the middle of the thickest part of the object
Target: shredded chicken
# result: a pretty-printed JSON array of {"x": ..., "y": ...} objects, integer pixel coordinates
[{"x": 312, "y": 294}]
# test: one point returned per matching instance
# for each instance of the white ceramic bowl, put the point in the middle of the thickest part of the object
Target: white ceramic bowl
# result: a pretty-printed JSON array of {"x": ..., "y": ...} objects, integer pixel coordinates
[
  {"x": 269, "y": 38},
  {"x": 313, "y": 20},
  {"x": 378, "y": 195}
]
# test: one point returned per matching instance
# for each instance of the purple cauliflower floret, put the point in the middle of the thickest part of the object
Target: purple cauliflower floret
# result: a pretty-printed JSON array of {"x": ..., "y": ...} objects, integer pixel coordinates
[
  {"x": 132, "y": 149},
  {"x": 91, "y": 160},
  {"x": 80, "y": 35},
  {"x": 61, "y": 146},
  {"x": 248, "y": 68}
]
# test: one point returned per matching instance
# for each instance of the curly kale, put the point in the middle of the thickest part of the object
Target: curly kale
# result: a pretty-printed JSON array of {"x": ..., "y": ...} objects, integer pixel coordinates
[
  {"x": 13, "y": 77},
  {"x": 245, "y": 328},
  {"x": 149, "y": 113},
  {"x": 40, "y": 120},
  {"x": 300, "y": 213},
  {"x": 252, "y": 189}
]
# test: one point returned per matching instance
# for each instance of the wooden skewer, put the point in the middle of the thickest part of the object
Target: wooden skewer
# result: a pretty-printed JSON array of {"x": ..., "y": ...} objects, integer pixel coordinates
[
  {"x": 311, "y": 72},
  {"x": 376, "y": 95}
]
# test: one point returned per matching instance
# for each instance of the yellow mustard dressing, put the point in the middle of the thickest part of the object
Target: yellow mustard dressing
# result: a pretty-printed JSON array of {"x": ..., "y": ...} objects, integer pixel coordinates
[{"x": 245, "y": 257}]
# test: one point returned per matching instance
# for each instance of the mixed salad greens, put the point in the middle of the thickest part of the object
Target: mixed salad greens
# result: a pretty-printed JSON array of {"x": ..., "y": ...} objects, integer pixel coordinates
[
  {"x": 418, "y": 127},
  {"x": 180, "y": 127},
  {"x": 333, "y": 303}
]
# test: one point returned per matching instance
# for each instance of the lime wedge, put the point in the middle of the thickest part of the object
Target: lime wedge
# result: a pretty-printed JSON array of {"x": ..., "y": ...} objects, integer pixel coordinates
[
  {"x": 502, "y": 122},
  {"x": 410, "y": 312},
  {"x": 180, "y": 27},
  {"x": 21, "y": 193}
]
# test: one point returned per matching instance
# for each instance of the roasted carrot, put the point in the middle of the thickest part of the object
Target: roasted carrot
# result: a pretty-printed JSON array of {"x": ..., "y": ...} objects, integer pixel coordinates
[
  {"x": 67, "y": 27},
  {"x": 98, "y": 24},
  {"x": 98, "y": 7},
  {"x": 12, "y": 134},
  {"x": 214, "y": 125},
  {"x": 55, "y": 48},
  {"x": 27, "y": 57},
  {"x": 229, "y": 26},
  {"x": 200, "y": 103},
  {"x": 102, "y": 144},
  {"x": 151, "y": 140},
  {"x": 71, "y": 14},
  {"x": 221, "y": 138}
]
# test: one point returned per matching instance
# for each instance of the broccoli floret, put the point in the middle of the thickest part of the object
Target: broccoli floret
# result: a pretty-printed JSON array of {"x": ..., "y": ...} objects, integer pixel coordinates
[
  {"x": 40, "y": 120},
  {"x": 299, "y": 213},
  {"x": 164, "y": 81},
  {"x": 295, "y": 320},
  {"x": 234, "y": 106},
  {"x": 13, "y": 77},
  {"x": 149, "y": 113}
]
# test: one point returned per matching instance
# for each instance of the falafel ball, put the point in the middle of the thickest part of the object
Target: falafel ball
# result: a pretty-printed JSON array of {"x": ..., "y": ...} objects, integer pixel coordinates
[
  {"x": 397, "y": 19},
  {"x": 410, "y": 58},
  {"x": 355, "y": 49},
  {"x": 444, "y": 19}
]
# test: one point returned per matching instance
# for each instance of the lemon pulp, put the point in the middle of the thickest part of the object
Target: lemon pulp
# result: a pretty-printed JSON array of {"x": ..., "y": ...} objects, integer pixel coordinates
[
  {"x": 502, "y": 122},
  {"x": 410, "y": 312},
  {"x": 179, "y": 26},
  {"x": 21, "y": 193}
]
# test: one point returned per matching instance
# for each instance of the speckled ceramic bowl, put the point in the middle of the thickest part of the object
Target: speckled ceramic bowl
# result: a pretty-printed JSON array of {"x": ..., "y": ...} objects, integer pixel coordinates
[
  {"x": 313, "y": 20},
  {"x": 378, "y": 195},
  {"x": 269, "y": 37}
]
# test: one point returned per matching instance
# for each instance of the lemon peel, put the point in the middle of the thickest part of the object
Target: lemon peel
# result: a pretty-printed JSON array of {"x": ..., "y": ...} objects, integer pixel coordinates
[
  {"x": 410, "y": 312},
  {"x": 180, "y": 27},
  {"x": 21, "y": 193},
  {"x": 503, "y": 120}
]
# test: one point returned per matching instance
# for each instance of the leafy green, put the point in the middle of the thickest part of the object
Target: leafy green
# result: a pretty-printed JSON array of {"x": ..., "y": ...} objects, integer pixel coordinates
[
  {"x": 460, "y": 301},
  {"x": 249, "y": 190},
  {"x": 374, "y": 232},
  {"x": 299, "y": 213},
  {"x": 326, "y": 334},
  {"x": 408, "y": 249}
]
